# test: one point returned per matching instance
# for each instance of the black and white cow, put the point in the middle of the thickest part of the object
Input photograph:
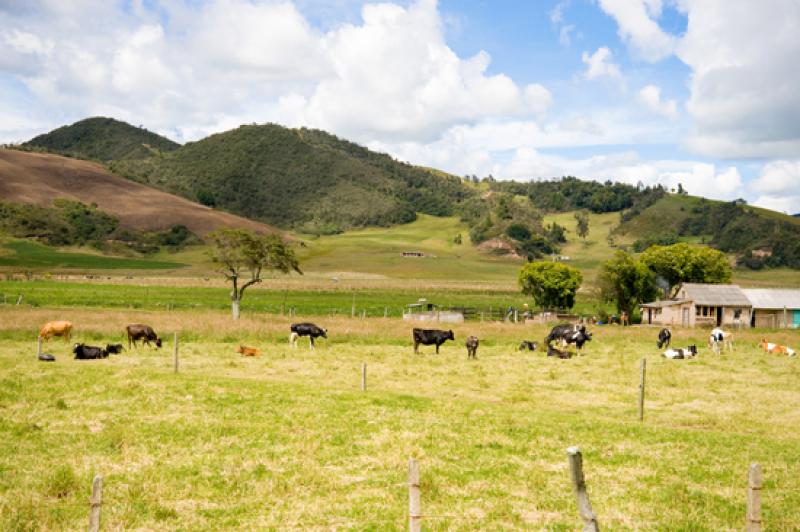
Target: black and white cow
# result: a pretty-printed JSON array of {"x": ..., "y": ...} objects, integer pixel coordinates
[
  {"x": 527, "y": 345},
  {"x": 553, "y": 352},
  {"x": 472, "y": 347},
  {"x": 569, "y": 334},
  {"x": 88, "y": 352},
  {"x": 664, "y": 336},
  {"x": 680, "y": 354},
  {"x": 306, "y": 329},
  {"x": 431, "y": 337}
]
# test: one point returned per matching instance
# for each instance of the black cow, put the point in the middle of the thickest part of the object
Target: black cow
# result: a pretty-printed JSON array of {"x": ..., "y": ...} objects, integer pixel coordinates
[
  {"x": 472, "y": 347},
  {"x": 114, "y": 349},
  {"x": 664, "y": 336},
  {"x": 430, "y": 337},
  {"x": 553, "y": 352},
  {"x": 527, "y": 345},
  {"x": 569, "y": 334},
  {"x": 145, "y": 333},
  {"x": 306, "y": 329},
  {"x": 88, "y": 352}
]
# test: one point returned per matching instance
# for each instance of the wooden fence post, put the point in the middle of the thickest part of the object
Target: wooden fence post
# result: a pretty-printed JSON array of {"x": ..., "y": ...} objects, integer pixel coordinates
[
  {"x": 175, "y": 354},
  {"x": 385, "y": 312},
  {"x": 95, "y": 503},
  {"x": 414, "y": 504},
  {"x": 641, "y": 390},
  {"x": 363, "y": 314},
  {"x": 38, "y": 346},
  {"x": 579, "y": 484},
  {"x": 363, "y": 376},
  {"x": 754, "y": 499}
]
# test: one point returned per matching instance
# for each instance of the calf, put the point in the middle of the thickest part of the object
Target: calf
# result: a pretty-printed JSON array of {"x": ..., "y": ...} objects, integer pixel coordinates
[
  {"x": 88, "y": 352},
  {"x": 248, "y": 351},
  {"x": 145, "y": 333},
  {"x": 664, "y": 336},
  {"x": 569, "y": 334},
  {"x": 114, "y": 349},
  {"x": 680, "y": 354},
  {"x": 306, "y": 329},
  {"x": 775, "y": 348},
  {"x": 527, "y": 345},
  {"x": 720, "y": 338},
  {"x": 553, "y": 352},
  {"x": 472, "y": 347},
  {"x": 56, "y": 328},
  {"x": 431, "y": 337}
]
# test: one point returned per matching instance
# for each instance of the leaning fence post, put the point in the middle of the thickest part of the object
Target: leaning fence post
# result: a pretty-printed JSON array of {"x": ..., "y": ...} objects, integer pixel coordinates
[
  {"x": 175, "y": 355},
  {"x": 579, "y": 484},
  {"x": 754, "y": 498},
  {"x": 364, "y": 377},
  {"x": 414, "y": 505},
  {"x": 641, "y": 390},
  {"x": 95, "y": 503}
]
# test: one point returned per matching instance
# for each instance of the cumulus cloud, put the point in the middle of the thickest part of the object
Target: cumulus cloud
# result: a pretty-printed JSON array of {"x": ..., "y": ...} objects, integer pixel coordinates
[
  {"x": 777, "y": 186},
  {"x": 600, "y": 64},
  {"x": 637, "y": 26},
  {"x": 650, "y": 96}
]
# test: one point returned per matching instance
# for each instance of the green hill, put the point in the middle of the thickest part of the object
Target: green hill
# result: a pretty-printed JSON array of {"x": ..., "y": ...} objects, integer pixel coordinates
[
  {"x": 102, "y": 139},
  {"x": 298, "y": 178}
]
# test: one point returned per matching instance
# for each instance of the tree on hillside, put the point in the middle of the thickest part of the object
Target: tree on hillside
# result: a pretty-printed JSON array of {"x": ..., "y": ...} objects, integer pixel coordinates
[
  {"x": 582, "y": 229},
  {"x": 682, "y": 263},
  {"x": 552, "y": 285},
  {"x": 243, "y": 255},
  {"x": 627, "y": 282}
]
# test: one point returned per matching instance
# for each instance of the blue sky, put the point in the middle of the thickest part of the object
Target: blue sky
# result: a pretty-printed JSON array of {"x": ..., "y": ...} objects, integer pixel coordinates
[{"x": 697, "y": 92}]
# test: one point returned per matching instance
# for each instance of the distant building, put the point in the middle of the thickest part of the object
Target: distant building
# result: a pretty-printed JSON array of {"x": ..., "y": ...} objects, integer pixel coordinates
[
  {"x": 413, "y": 254},
  {"x": 774, "y": 307},
  {"x": 704, "y": 305}
]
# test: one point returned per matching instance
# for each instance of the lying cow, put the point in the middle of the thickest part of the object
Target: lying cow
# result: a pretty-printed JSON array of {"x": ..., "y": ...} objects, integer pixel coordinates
[
  {"x": 306, "y": 329},
  {"x": 114, "y": 349},
  {"x": 88, "y": 352},
  {"x": 680, "y": 354},
  {"x": 248, "y": 351},
  {"x": 56, "y": 328},
  {"x": 145, "y": 333},
  {"x": 569, "y": 334},
  {"x": 664, "y": 336},
  {"x": 472, "y": 347},
  {"x": 527, "y": 345},
  {"x": 776, "y": 348},
  {"x": 431, "y": 337},
  {"x": 553, "y": 352}
]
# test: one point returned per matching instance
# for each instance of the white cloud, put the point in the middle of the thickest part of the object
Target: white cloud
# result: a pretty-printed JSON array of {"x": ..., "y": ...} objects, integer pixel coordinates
[
  {"x": 650, "y": 96},
  {"x": 778, "y": 186},
  {"x": 637, "y": 27},
  {"x": 600, "y": 64}
]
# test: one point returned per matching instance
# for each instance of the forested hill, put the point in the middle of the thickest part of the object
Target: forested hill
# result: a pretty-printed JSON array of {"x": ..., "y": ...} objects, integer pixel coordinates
[
  {"x": 298, "y": 178},
  {"x": 102, "y": 139}
]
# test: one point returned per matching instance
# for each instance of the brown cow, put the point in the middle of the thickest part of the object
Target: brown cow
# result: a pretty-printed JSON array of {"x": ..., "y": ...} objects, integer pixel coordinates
[
  {"x": 769, "y": 347},
  {"x": 248, "y": 351},
  {"x": 139, "y": 331},
  {"x": 56, "y": 328}
]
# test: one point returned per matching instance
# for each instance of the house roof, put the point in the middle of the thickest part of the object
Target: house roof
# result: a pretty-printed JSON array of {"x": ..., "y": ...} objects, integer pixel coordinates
[
  {"x": 723, "y": 295},
  {"x": 773, "y": 298},
  {"x": 663, "y": 303}
]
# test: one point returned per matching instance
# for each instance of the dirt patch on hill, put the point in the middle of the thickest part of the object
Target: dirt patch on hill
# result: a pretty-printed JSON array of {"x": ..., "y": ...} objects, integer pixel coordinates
[
  {"x": 40, "y": 178},
  {"x": 498, "y": 246}
]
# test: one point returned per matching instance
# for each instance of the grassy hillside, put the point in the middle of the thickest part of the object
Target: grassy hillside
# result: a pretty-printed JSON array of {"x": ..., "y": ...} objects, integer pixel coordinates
[
  {"x": 102, "y": 139},
  {"x": 298, "y": 178},
  {"x": 25, "y": 255}
]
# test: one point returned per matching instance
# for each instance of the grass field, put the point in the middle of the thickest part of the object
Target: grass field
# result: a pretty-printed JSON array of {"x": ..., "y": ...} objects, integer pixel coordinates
[
  {"x": 288, "y": 441},
  {"x": 31, "y": 255}
]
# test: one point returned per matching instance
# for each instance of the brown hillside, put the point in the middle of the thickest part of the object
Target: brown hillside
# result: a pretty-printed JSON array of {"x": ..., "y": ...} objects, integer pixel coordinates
[{"x": 39, "y": 179}]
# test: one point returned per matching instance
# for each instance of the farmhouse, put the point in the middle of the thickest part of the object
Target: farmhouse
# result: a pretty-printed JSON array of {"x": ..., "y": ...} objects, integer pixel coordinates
[
  {"x": 704, "y": 305},
  {"x": 774, "y": 308}
]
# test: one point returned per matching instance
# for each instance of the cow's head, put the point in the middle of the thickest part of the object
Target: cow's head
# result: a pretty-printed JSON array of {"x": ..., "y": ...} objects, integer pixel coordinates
[
  {"x": 692, "y": 349},
  {"x": 324, "y": 333},
  {"x": 450, "y": 335},
  {"x": 158, "y": 341}
]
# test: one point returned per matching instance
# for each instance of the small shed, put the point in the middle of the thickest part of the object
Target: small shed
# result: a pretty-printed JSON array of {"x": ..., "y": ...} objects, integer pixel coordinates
[
  {"x": 774, "y": 307},
  {"x": 423, "y": 310},
  {"x": 704, "y": 305}
]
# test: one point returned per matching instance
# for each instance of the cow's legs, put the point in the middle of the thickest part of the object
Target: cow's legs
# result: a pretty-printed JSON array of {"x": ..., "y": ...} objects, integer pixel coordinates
[
  {"x": 416, "y": 346},
  {"x": 437, "y": 347},
  {"x": 310, "y": 342}
]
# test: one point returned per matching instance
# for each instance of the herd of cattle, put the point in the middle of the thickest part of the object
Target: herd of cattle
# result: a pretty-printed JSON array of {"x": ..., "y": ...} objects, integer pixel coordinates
[{"x": 564, "y": 335}]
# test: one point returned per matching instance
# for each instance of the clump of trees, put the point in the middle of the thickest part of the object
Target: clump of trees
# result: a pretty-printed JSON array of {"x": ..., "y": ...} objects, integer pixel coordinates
[
  {"x": 552, "y": 285},
  {"x": 627, "y": 282}
]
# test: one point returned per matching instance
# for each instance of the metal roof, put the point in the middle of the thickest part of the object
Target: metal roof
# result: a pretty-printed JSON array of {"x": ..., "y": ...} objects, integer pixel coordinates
[
  {"x": 723, "y": 295},
  {"x": 773, "y": 298},
  {"x": 664, "y": 303}
]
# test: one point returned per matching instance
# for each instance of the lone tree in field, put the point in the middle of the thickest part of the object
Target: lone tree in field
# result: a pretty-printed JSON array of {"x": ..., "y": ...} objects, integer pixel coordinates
[
  {"x": 552, "y": 285},
  {"x": 582, "y": 227},
  {"x": 243, "y": 255}
]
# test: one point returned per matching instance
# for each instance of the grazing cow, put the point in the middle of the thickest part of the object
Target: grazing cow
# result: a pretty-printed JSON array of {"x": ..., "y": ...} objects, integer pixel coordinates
[
  {"x": 47, "y": 357},
  {"x": 569, "y": 334},
  {"x": 553, "y": 352},
  {"x": 56, "y": 328},
  {"x": 775, "y": 348},
  {"x": 472, "y": 347},
  {"x": 527, "y": 345},
  {"x": 248, "y": 351},
  {"x": 680, "y": 354},
  {"x": 718, "y": 338},
  {"x": 114, "y": 349},
  {"x": 664, "y": 336},
  {"x": 145, "y": 333},
  {"x": 88, "y": 352},
  {"x": 306, "y": 329},
  {"x": 430, "y": 337}
]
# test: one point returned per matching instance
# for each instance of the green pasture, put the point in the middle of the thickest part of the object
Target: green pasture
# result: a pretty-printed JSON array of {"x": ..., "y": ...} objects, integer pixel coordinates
[
  {"x": 287, "y": 440},
  {"x": 31, "y": 255}
]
